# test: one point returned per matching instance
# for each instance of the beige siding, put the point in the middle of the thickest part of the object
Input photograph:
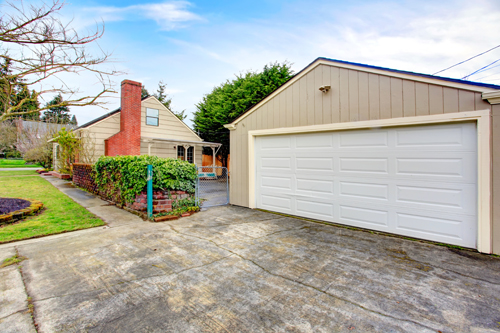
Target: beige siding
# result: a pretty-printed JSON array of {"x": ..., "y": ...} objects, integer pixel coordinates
[
  {"x": 169, "y": 150},
  {"x": 354, "y": 96},
  {"x": 99, "y": 132},
  {"x": 169, "y": 125}
]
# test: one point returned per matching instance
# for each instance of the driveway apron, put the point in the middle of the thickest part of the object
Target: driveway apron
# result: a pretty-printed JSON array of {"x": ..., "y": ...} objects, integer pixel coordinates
[{"x": 232, "y": 269}]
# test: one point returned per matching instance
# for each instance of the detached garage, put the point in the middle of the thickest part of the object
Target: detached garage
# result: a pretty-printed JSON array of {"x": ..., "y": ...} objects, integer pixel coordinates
[{"x": 375, "y": 148}]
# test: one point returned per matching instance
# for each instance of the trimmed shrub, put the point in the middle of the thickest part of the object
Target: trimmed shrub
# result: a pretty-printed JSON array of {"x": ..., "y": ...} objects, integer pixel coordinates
[{"x": 122, "y": 178}]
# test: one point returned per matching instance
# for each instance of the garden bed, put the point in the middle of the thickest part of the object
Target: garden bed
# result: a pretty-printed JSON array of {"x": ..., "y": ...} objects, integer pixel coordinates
[{"x": 16, "y": 209}]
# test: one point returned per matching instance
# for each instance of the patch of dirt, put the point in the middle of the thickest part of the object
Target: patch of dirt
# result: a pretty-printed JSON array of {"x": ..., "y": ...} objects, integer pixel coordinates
[{"x": 8, "y": 205}]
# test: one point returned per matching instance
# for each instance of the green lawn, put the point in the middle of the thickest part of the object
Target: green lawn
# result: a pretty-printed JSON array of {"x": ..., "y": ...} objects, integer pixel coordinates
[
  {"x": 60, "y": 213},
  {"x": 5, "y": 173},
  {"x": 5, "y": 163}
]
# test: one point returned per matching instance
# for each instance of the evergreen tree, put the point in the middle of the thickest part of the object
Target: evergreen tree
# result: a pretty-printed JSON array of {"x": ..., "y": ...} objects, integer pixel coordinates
[
  {"x": 231, "y": 99},
  {"x": 162, "y": 96},
  {"x": 13, "y": 93},
  {"x": 56, "y": 114},
  {"x": 144, "y": 92},
  {"x": 73, "y": 121}
]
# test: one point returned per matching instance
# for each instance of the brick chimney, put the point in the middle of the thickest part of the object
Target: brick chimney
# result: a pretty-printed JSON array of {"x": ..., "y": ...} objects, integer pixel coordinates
[{"x": 128, "y": 140}]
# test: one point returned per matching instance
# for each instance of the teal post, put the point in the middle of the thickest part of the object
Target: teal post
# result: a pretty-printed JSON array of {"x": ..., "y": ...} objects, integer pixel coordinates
[{"x": 150, "y": 191}]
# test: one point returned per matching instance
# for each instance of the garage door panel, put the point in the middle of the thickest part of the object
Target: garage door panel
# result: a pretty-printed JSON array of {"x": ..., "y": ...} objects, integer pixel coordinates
[
  {"x": 438, "y": 227},
  {"x": 314, "y": 208},
  {"x": 363, "y": 139},
  {"x": 311, "y": 183},
  {"x": 364, "y": 165},
  {"x": 274, "y": 163},
  {"x": 314, "y": 164},
  {"x": 431, "y": 138},
  {"x": 319, "y": 141},
  {"x": 434, "y": 196},
  {"x": 276, "y": 142},
  {"x": 363, "y": 190},
  {"x": 415, "y": 181},
  {"x": 364, "y": 217},
  {"x": 277, "y": 203},
  {"x": 276, "y": 182}
]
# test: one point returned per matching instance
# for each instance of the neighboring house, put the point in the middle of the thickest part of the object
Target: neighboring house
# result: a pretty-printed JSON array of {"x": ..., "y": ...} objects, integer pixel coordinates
[
  {"x": 141, "y": 127},
  {"x": 376, "y": 148}
]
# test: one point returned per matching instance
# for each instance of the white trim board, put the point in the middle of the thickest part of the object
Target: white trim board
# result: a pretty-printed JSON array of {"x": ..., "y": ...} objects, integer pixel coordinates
[{"x": 483, "y": 120}]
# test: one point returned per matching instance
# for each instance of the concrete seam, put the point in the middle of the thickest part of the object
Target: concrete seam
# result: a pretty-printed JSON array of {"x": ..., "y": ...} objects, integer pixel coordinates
[{"x": 35, "y": 325}]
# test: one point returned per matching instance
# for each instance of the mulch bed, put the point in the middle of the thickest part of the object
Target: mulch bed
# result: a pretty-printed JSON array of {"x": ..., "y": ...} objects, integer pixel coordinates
[
  {"x": 8, "y": 205},
  {"x": 16, "y": 209}
]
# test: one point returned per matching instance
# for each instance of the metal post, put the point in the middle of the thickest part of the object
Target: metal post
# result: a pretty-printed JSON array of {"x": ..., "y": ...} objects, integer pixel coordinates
[{"x": 150, "y": 191}]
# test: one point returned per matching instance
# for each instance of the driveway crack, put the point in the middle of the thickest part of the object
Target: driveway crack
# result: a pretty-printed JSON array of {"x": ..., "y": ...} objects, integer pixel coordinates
[
  {"x": 31, "y": 306},
  {"x": 106, "y": 287},
  {"x": 307, "y": 285}
]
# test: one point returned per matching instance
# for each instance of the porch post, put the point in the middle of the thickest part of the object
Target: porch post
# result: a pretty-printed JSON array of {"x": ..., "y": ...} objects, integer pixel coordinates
[
  {"x": 186, "y": 147},
  {"x": 213, "y": 159}
]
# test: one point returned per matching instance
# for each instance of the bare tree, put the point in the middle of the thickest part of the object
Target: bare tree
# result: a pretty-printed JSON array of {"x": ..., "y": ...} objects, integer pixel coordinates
[
  {"x": 32, "y": 141},
  {"x": 36, "y": 45},
  {"x": 8, "y": 136}
]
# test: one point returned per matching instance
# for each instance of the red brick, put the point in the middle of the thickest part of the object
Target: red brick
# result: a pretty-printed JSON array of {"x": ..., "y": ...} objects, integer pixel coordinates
[{"x": 128, "y": 140}]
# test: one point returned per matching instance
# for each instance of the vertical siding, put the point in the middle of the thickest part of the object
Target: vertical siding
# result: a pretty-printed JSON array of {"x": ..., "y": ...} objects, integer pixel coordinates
[
  {"x": 421, "y": 99},
  {"x": 396, "y": 110},
  {"x": 344, "y": 94},
  {"x": 363, "y": 96},
  {"x": 354, "y": 96},
  {"x": 408, "y": 98},
  {"x": 335, "y": 94},
  {"x": 374, "y": 96},
  {"x": 318, "y": 96},
  {"x": 436, "y": 103}
]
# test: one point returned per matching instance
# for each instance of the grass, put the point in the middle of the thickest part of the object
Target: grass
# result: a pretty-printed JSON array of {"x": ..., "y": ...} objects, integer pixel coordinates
[
  {"x": 6, "y": 163},
  {"x": 12, "y": 260},
  {"x": 60, "y": 214},
  {"x": 6, "y": 173}
]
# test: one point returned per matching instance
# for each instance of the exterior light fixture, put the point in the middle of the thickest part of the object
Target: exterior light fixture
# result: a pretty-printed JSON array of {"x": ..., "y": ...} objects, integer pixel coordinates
[{"x": 325, "y": 88}]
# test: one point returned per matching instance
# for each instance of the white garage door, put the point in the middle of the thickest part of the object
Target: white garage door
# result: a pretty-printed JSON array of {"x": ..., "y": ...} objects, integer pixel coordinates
[{"x": 416, "y": 181}]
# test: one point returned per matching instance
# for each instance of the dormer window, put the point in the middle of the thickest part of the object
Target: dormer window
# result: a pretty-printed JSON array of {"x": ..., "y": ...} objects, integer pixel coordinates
[{"x": 152, "y": 117}]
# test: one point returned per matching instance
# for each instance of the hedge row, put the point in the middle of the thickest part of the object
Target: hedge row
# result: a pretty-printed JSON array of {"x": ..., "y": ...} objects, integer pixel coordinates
[{"x": 122, "y": 178}]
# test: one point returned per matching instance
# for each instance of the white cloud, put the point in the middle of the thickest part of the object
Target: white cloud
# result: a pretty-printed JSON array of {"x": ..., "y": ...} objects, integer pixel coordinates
[{"x": 168, "y": 15}]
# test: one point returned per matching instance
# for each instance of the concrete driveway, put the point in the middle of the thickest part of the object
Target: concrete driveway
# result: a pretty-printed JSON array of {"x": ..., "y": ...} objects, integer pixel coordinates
[{"x": 232, "y": 269}]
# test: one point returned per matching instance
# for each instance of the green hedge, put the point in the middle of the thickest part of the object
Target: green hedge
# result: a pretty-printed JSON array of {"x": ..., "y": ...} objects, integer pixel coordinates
[{"x": 121, "y": 178}]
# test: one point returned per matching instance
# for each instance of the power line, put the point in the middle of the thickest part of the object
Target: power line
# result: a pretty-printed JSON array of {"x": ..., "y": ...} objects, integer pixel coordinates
[
  {"x": 482, "y": 69},
  {"x": 467, "y": 60}
]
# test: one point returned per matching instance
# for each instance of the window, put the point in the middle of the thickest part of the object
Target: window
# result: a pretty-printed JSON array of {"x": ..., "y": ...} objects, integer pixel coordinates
[
  {"x": 185, "y": 155},
  {"x": 152, "y": 117},
  {"x": 180, "y": 153},
  {"x": 190, "y": 155}
]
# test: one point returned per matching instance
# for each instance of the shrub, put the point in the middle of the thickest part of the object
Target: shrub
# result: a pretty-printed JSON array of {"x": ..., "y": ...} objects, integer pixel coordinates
[{"x": 122, "y": 178}]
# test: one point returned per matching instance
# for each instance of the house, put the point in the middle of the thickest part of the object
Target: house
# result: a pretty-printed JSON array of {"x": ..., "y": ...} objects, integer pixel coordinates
[
  {"x": 140, "y": 127},
  {"x": 377, "y": 148}
]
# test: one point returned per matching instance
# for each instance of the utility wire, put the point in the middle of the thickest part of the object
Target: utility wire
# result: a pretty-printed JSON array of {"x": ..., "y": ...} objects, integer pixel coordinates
[
  {"x": 482, "y": 69},
  {"x": 467, "y": 60}
]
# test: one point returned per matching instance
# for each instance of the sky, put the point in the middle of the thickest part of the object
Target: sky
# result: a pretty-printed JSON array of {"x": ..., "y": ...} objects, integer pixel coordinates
[{"x": 193, "y": 46}]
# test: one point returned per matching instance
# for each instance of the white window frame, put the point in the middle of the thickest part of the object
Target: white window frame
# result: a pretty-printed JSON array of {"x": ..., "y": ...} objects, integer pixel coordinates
[{"x": 157, "y": 117}]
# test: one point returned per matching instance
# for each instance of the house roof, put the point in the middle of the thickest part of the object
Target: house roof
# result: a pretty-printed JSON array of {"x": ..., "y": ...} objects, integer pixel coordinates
[
  {"x": 446, "y": 81},
  {"x": 104, "y": 116}
]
